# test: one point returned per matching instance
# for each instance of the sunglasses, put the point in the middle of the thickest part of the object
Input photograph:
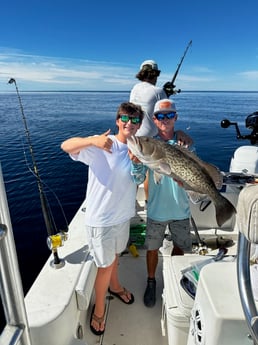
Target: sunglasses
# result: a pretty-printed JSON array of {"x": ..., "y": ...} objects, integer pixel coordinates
[
  {"x": 168, "y": 116},
  {"x": 126, "y": 118}
]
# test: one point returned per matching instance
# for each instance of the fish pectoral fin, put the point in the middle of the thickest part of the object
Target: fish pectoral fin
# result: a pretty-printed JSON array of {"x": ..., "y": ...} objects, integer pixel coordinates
[
  {"x": 157, "y": 177},
  {"x": 164, "y": 168}
]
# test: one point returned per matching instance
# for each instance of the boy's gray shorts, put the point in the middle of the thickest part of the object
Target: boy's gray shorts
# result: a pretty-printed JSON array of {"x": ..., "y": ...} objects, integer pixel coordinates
[{"x": 178, "y": 232}]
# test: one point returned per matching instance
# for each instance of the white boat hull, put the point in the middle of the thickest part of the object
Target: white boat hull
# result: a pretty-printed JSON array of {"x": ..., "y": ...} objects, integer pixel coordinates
[{"x": 59, "y": 302}]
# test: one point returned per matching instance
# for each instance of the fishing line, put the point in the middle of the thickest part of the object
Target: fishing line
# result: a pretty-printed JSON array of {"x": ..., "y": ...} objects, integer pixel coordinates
[
  {"x": 45, "y": 185},
  {"x": 47, "y": 213}
]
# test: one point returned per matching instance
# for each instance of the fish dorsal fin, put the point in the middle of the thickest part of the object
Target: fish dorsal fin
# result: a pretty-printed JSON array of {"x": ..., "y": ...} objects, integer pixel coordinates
[
  {"x": 215, "y": 174},
  {"x": 211, "y": 169}
]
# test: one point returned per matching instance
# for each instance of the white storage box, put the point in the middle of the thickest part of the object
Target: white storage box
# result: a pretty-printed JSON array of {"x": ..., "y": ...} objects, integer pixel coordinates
[
  {"x": 177, "y": 304},
  {"x": 217, "y": 315},
  {"x": 245, "y": 159}
]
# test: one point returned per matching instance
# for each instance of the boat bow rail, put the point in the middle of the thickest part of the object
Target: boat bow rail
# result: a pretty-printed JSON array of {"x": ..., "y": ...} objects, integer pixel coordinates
[
  {"x": 12, "y": 296},
  {"x": 247, "y": 224}
]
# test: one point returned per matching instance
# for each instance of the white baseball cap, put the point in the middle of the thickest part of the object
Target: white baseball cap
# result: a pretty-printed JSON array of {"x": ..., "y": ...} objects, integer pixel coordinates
[
  {"x": 151, "y": 63},
  {"x": 165, "y": 106}
]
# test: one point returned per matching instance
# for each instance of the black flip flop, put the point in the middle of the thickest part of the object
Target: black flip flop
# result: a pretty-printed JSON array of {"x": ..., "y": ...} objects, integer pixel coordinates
[
  {"x": 120, "y": 293},
  {"x": 97, "y": 319}
]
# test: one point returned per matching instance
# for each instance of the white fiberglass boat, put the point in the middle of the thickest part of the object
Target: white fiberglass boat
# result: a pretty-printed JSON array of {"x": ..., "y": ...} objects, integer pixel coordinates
[{"x": 56, "y": 309}]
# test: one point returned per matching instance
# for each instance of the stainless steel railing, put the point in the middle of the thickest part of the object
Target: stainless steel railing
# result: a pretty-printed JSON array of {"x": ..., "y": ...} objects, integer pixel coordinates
[{"x": 16, "y": 330}]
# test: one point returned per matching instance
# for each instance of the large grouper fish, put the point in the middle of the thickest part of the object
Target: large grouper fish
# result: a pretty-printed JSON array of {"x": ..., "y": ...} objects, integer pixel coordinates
[{"x": 186, "y": 168}]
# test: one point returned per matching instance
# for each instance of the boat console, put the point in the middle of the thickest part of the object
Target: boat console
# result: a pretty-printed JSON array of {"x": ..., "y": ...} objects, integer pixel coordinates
[{"x": 216, "y": 315}]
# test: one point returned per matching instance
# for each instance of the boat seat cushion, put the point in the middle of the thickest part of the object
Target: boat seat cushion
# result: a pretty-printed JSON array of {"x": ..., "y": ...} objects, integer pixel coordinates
[{"x": 247, "y": 213}]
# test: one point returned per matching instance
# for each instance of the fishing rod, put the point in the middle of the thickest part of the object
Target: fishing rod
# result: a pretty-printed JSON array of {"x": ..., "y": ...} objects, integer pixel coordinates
[
  {"x": 55, "y": 239},
  {"x": 169, "y": 87}
]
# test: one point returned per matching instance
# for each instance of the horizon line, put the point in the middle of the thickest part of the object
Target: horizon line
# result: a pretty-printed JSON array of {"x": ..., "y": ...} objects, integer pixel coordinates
[{"x": 123, "y": 91}]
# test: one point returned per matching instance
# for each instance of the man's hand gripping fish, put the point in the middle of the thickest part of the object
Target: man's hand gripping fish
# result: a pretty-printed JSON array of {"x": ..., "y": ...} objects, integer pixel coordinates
[{"x": 189, "y": 170}]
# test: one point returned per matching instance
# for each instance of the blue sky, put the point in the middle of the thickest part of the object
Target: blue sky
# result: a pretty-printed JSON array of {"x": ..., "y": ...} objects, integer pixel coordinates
[{"x": 99, "y": 45}]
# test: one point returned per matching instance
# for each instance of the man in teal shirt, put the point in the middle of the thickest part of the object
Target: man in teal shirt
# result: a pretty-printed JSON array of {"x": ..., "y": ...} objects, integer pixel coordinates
[{"x": 168, "y": 204}]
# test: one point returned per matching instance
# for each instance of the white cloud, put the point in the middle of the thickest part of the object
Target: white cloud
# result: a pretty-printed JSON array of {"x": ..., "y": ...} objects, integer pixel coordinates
[
  {"x": 37, "y": 73},
  {"x": 202, "y": 69},
  {"x": 40, "y": 72},
  {"x": 251, "y": 75}
]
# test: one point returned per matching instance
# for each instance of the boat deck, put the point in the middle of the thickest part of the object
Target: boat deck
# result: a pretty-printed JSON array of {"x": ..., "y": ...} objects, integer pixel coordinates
[
  {"x": 136, "y": 324},
  {"x": 132, "y": 324},
  {"x": 52, "y": 307}
]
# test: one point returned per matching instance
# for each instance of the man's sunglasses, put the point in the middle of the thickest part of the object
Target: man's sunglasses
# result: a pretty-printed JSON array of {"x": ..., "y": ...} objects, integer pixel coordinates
[
  {"x": 161, "y": 116},
  {"x": 126, "y": 118}
]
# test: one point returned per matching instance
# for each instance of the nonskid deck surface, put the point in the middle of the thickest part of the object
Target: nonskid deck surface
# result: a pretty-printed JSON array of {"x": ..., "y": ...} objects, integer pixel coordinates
[
  {"x": 136, "y": 324},
  {"x": 132, "y": 324}
]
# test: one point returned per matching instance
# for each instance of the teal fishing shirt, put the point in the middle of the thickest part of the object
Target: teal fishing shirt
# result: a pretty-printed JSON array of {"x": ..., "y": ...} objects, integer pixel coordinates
[{"x": 166, "y": 200}]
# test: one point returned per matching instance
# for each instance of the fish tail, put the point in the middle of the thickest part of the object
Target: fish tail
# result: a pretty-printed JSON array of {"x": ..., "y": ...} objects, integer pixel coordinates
[{"x": 224, "y": 210}]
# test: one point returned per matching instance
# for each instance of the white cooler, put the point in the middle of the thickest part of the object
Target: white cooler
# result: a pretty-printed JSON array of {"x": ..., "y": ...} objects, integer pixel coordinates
[
  {"x": 177, "y": 304},
  {"x": 217, "y": 316}
]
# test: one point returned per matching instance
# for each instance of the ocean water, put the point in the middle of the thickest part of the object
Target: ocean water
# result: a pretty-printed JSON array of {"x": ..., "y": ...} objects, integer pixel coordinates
[{"x": 52, "y": 117}]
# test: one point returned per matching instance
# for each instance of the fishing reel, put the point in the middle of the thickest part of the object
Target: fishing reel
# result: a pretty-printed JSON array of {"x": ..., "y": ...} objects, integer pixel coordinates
[
  {"x": 54, "y": 242},
  {"x": 251, "y": 122},
  {"x": 169, "y": 88},
  {"x": 57, "y": 240}
]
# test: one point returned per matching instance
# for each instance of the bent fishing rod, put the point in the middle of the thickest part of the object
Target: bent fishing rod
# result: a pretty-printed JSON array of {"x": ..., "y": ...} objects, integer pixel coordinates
[
  {"x": 169, "y": 87},
  {"x": 55, "y": 239}
]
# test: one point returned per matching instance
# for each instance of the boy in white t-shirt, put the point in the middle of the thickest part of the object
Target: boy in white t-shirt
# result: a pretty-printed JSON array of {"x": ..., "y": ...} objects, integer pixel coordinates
[{"x": 111, "y": 195}]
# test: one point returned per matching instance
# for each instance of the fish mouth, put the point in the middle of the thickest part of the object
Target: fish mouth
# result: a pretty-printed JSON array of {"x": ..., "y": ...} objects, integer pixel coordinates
[
  {"x": 134, "y": 144},
  {"x": 132, "y": 141}
]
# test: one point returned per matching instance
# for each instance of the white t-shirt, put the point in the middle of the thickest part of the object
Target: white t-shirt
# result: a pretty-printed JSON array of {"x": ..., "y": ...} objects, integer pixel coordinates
[
  {"x": 146, "y": 95},
  {"x": 111, "y": 192}
]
